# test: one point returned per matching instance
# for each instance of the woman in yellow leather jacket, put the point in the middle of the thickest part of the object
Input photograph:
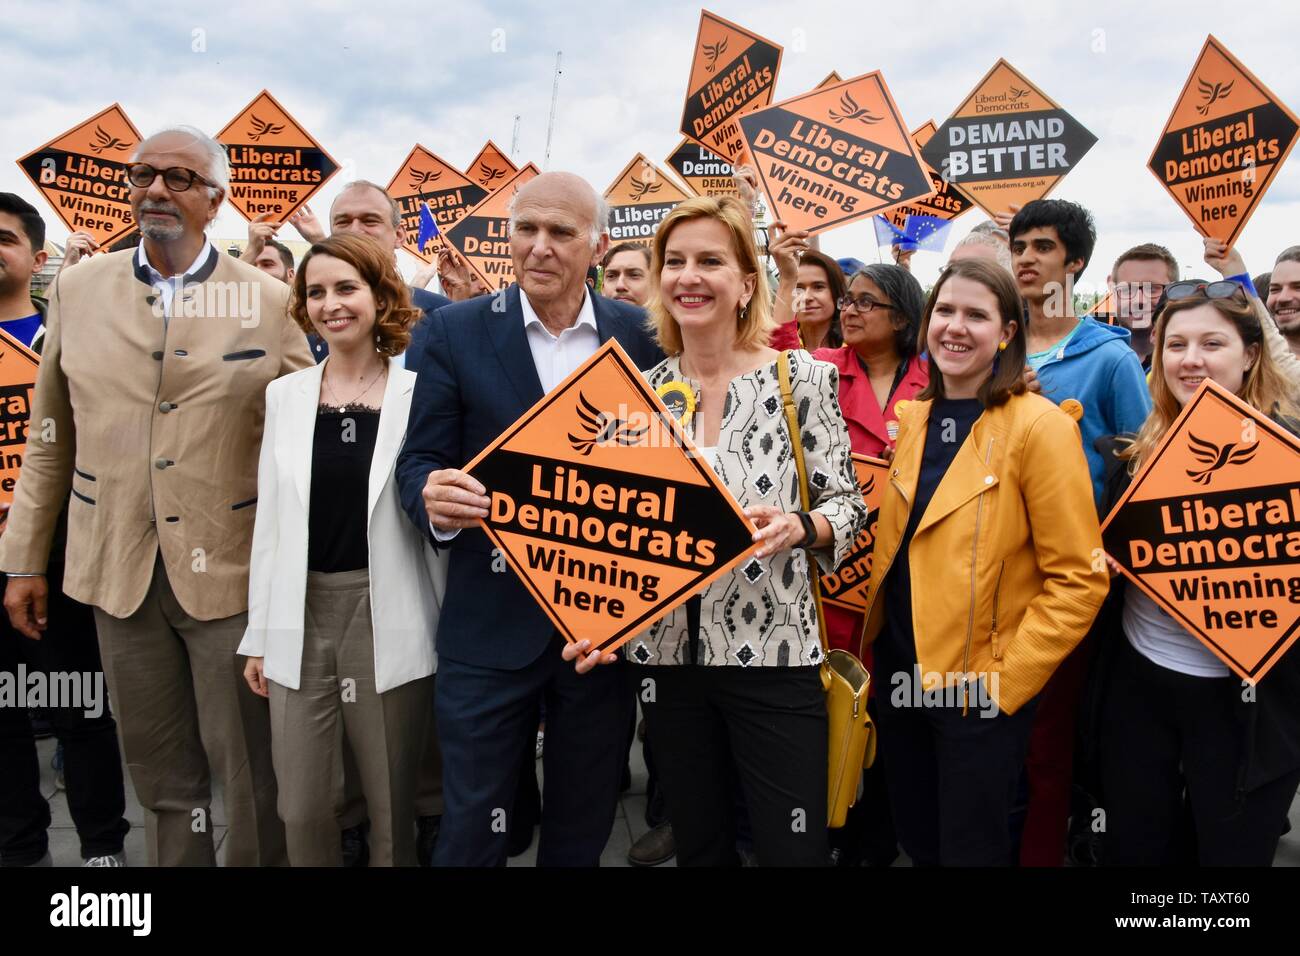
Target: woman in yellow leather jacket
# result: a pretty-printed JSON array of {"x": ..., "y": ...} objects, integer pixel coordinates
[{"x": 988, "y": 570}]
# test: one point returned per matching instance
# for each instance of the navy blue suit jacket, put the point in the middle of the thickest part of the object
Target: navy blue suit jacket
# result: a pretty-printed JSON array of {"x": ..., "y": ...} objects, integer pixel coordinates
[
  {"x": 424, "y": 300},
  {"x": 476, "y": 378}
]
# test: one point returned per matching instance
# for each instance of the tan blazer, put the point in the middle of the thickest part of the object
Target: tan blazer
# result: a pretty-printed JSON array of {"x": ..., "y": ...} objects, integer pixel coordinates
[
  {"x": 407, "y": 578},
  {"x": 155, "y": 430}
]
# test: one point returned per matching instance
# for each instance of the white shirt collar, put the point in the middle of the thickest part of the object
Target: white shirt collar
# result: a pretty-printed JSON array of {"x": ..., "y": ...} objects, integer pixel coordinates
[
  {"x": 586, "y": 313},
  {"x": 142, "y": 258}
]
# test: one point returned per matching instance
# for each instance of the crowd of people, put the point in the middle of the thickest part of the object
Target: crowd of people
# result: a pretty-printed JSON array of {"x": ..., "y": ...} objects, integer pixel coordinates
[{"x": 249, "y": 512}]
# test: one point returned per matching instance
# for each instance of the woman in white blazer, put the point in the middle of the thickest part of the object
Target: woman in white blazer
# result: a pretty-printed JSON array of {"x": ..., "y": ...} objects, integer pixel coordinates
[{"x": 343, "y": 592}]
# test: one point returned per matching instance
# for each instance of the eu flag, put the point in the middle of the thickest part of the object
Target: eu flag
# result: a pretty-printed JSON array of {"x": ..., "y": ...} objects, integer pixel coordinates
[{"x": 428, "y": 228}]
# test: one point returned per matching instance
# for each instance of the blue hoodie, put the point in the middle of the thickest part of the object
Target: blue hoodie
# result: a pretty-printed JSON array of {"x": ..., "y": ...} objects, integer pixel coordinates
[{"x": 1099, "y": 370}]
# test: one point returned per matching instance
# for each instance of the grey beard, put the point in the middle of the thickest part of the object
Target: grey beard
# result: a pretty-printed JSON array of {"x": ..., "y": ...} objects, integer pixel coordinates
[{"x": 160, "y": 233}]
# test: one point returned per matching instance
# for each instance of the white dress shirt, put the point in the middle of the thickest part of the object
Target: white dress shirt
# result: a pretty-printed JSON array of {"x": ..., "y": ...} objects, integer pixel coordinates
[
  {"x": 554, "y": 356},
  {"x": 167, "y": 286}
]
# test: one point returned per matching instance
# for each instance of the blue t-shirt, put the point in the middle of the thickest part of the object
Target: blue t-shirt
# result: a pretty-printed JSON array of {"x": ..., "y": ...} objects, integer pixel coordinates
[{"x": 24, "y": 329}]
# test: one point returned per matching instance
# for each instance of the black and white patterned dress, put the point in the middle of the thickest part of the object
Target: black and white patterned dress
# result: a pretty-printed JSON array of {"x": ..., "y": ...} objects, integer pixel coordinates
[{"x": 762, "y": 614}]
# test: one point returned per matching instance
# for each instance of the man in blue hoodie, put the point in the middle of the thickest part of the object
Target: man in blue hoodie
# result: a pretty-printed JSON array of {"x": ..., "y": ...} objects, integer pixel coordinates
[
  {"x": 1091, "y": 363},
  {"x": 1075, "y": 358}
]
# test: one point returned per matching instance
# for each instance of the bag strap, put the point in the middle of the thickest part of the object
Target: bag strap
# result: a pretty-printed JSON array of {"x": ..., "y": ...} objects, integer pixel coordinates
[{"x": 796, "y": 443}]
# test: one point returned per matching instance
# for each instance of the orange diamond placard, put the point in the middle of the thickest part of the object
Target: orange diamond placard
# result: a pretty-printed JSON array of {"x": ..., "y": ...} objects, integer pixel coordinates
[
  {"x": 835, "y": 155},
  {"x": 733, "y": 71},
  {"x": 482, "y": 235},
  {"x": 491, "y": 167},
  {"x": 847, "y": 585},
  {"x": 1225, "y": 140},
  {"x": 18, "y": 366},
  {"x": 82, "y": 174},
  {"x": 639, "y": 198},
  {"x": 703, "y": 172},
  {"x": 601, "y": 505},
  {"x": 425, "y": 179},
  {"x": 275, "y": 164},
  {"x": 947, "y": 203},
  {"x": 1007, "y": 143},
  {"x": 1210, "y": 530}
]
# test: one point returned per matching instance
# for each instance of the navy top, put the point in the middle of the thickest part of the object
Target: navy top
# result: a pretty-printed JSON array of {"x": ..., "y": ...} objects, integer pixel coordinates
[
  {"x": 935, "y": 459},
  {"x": 24, "y": 329}
]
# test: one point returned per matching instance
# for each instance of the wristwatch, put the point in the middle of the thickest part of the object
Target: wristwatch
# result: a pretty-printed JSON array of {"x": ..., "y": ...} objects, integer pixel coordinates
[{"x": 809, "y": 530}]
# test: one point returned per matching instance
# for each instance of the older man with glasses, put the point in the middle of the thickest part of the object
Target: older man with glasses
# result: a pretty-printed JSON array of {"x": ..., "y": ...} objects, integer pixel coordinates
[{"x": 148, "y": 411}]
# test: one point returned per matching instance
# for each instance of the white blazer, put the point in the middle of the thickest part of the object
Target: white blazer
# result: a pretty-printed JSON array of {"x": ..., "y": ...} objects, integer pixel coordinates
[{"x": 407, "y": 578}]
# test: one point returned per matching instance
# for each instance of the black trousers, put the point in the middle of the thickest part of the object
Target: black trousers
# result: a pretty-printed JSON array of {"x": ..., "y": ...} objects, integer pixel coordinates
[
  {"x": 91, "y": 759},
  {"x": 952, "y": 778},
  {"x": 765, "y": 728},
  {"x": 1165, "y": 734},
  {"x": 487, "y": 729}
]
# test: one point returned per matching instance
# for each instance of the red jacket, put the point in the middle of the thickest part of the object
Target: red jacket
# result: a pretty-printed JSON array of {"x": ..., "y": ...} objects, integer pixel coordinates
[{"x": 869, "y": 434}]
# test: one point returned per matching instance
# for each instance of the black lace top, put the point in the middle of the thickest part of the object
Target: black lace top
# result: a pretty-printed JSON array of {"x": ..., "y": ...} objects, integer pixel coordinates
[{"x": 340, "y": 474}]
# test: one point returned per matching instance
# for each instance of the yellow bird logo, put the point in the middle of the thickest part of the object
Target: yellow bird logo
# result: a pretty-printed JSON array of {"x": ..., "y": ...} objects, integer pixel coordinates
[
  {"x": 1017, "y": 93},
  {"x": 601, "y": 428},
  {"x": 262, "y": 128},
  {"x": 850, "y": 110},
  {"x": 489, "y": 174},
  {"x": 1214, "y": 457},
  {"x": 868, "y": 486},
  {"x": 103, "y": 141},
  {"x": 711, "y": 53}
]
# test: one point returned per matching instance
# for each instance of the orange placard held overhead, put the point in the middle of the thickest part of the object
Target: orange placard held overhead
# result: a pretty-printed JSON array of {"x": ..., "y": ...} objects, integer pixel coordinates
[
  {"x": 835, "y": 155},
  {"x": 491, "y": 167},
  {"x": 733, "y": 72},
  {"x": 703, "y": 172},
  {"x": 847, "y": 585},
  {"x": 482, "y": 235},
  {"x": 18, "y": 366},
  {"x": 82, "y": 174},
  {"x": 602, "y": 507},
  {"x": 1226, "y": 138},
  {"x": 1210, "y": 530},
  {"x": 946, "y": 204},
  {"x": 275, "y": 164},
  {"x": 639, "y": 198},
  {"x": 425, "y": 179},
  {"x": 1007, "y": 143}
]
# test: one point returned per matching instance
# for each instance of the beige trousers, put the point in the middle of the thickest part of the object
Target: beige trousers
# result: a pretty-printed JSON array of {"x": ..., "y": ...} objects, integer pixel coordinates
[
  {"x": 185, "y": 714},
  {"x": 336, "y": 702}
]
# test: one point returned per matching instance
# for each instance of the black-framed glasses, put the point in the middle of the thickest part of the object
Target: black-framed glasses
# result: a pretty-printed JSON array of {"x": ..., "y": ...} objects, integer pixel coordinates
[
  {"x": 862, "y": 302},
  {"x": 1222, "y": 289},
  {"x": 177, "y": 178}
]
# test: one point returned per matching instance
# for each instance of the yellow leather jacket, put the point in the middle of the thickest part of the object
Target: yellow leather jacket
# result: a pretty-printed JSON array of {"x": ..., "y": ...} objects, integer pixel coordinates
[{"x": 1006, "y": 564}]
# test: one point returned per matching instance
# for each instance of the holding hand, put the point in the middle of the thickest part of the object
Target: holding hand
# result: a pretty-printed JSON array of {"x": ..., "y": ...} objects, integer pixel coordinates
[
  {"x": 79, "y": 246},
  {"x": 454, "y": 500},
  {"x": 790, "y": 244},
  {"x": 1222, "y": 258},
  {"x": 260, "y": 231},
  {"x": 777, "y": 530},
  {"x": 586, "y": 659},
  {"x": 308, "y": 226}
]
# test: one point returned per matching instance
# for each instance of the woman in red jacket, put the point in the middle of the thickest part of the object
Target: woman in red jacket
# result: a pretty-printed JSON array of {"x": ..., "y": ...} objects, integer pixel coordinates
[{"x": 880, "y": 319}]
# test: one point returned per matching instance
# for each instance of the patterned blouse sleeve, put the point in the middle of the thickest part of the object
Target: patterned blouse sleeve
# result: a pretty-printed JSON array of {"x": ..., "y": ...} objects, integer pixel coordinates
[{"x": 832, "y": 483}]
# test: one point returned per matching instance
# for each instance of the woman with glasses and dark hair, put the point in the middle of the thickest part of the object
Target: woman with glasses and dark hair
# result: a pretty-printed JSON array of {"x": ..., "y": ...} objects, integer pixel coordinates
[
  {"x": 983, "y": 577},
  {"x": 1175, "y": 727}
]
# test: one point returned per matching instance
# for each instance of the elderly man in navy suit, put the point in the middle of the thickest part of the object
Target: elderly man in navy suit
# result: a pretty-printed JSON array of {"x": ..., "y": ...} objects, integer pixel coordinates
[{"x": 486, "y": 361}]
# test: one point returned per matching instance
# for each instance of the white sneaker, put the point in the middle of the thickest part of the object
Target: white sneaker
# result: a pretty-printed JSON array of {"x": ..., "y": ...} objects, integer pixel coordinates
[{"x": 113, "y": 859}]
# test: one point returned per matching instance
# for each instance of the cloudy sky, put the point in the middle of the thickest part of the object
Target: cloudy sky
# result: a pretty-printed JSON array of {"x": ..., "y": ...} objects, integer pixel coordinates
[{"x": 370, "y": 80}]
